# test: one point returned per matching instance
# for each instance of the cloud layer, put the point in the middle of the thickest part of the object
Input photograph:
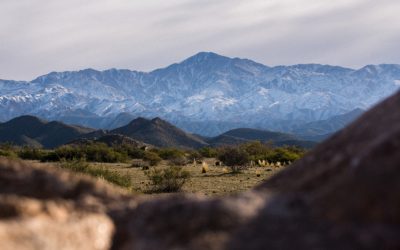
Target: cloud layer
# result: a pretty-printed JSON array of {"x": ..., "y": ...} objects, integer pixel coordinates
[{"x": 37, "y": 37}]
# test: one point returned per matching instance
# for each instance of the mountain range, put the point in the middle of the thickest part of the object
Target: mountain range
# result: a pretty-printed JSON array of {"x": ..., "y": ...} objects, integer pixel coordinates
[
  {"x": 159, "y": 133},
  {"x": 35, "y": 132},
  {"x": 32, "y": 131},
  {"x": 206, "y": 94}
]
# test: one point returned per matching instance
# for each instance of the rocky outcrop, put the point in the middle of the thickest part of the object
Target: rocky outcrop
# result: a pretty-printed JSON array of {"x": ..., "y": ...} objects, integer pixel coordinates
[
  {"x": 345, "y": 194},
  {"x": 32, "y": 224}
]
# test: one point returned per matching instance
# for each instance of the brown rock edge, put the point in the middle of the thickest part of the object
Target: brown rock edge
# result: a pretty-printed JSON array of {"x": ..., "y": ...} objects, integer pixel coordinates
[{"x": 345, "y": 194}]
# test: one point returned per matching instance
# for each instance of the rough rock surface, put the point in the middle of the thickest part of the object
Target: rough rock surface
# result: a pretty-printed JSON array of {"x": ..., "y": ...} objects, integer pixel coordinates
[
  {"x": 345, "y": 194},
  {"x": 32, "y": 224}
]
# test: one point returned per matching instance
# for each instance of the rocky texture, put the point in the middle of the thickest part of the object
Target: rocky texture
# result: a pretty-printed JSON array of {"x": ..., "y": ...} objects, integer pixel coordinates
[
  {"x": 186, "y": 222},
  {"x": 345, "y": 194},
  {"x": 168, "y": 222},
  {"x": 32, "y": 224},
  {"x": 346, "y": 190},
  {"x": 42, "y": 208}
]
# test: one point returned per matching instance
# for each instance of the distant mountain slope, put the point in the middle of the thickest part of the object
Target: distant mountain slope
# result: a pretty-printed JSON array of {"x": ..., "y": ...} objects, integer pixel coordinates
[
  {"x": 32, "y": 131},
  {"x": 257, "y": 134},
  {"x": 205, "y": 94},
  {"x": 120, "y": 120},
  {"x": 109, "y": 139},
  {"x": 223, "y": 140},
  {"x": 242, "y": 135},
  {"x": 298, "y": 143},
  {"x": 322, "y": 129},
  {"x": 159, "y": 133}
]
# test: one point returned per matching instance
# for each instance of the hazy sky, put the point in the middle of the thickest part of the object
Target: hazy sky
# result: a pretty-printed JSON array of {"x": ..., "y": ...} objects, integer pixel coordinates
[{"x": 39, "y": 36}]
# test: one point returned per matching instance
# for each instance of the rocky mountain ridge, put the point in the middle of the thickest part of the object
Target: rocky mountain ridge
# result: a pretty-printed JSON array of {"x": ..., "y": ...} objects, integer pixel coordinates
[
  {"x": 204, "y": 94},
  {"x": 34, "y": 132}
]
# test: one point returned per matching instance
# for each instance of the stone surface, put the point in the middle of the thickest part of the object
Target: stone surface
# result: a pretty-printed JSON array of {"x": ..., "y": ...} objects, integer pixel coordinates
[
  {"x": 345, "y": 194},
  {"x": 27, "y": 223}
]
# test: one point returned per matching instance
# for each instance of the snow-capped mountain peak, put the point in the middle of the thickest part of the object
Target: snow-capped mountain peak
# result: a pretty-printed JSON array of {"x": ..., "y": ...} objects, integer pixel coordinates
[{"x": 206, "y": 87}]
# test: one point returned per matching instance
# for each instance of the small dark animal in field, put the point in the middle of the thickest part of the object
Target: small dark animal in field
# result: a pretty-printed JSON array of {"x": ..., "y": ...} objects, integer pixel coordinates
[{"x": 218, "y": 163}]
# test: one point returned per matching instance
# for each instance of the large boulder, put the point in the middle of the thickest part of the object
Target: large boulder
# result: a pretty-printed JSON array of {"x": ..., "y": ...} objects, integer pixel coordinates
[
  {"x": 32, "y": 224},
  {"x": 345, "y": 194}
]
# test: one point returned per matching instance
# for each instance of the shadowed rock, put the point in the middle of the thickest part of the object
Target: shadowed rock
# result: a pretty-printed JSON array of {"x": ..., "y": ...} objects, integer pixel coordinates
[
  {"x": 345, "y": 194},
  {"x": 27, "y": 223},
  {"x": 342, "y": 195}
]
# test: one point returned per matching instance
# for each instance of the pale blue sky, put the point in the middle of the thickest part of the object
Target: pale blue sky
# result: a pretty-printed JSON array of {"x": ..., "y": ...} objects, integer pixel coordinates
[{"x": 39, "y": 36}]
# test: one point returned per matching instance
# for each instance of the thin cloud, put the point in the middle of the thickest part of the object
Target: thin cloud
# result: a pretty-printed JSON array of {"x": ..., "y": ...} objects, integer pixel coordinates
[{"x": 42, "y": 36}]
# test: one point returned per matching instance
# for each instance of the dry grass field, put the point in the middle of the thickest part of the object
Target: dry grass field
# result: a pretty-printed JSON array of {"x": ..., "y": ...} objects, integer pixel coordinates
[{"x": 218, "y": 180}]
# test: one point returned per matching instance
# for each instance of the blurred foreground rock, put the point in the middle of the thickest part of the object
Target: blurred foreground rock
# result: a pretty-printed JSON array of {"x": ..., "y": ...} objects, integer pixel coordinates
[
  {"x": 32, "y": 224},
  {"x": 345, "y": 194}
]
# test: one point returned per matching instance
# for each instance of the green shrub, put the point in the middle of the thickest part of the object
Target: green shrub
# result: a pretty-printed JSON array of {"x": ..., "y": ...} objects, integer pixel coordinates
[
  {"x": 100, "y": 152},
  {"x": 170, "y": 153},
  {"x": 98, "y": 172},
  {"x": 169, "y": 179},
  {"x": 152, "y": 158},
  {"x": 8, "y": 150},
  {"x": 256, "y": 150},
  {"x": 31, "y": 153},
  {"x": 136, "y": 153},
  {"x": 285, "y": 154},
  {"x": 265, "y": 152},
  {"x": 50, "y": 156},
  {"x": 130, "y": 150},
  {"x": 194, "y": 156},
  {"x": 234, "y": 157},
  {"x": 8, "y": 153},
  {"x": 94, "y": 152},
  {"x": 208, "y": 152},
  {"x": 68, "y": 153}
]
